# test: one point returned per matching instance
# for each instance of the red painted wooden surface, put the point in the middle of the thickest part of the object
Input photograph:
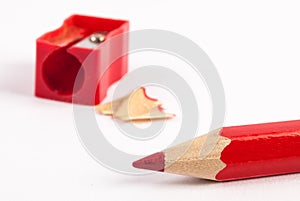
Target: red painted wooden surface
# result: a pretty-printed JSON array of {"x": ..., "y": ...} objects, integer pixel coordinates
[{"x": 261, "y": 150}]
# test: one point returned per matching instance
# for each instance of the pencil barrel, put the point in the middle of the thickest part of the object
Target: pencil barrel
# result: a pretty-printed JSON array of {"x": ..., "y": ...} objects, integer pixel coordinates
[{"x": 261, "y": 150}]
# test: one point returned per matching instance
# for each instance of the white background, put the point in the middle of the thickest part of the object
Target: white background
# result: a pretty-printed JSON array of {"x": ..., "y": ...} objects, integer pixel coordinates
[{"x": 255, "y": 46}]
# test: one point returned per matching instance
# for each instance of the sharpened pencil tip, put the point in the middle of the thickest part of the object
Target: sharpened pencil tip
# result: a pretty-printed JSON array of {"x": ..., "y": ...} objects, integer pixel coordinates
[{"x": 155, "y": 162}]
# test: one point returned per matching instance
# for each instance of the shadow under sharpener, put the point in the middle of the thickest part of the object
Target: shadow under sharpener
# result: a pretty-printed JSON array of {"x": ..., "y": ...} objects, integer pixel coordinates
[{"x": 69, "y": 71}]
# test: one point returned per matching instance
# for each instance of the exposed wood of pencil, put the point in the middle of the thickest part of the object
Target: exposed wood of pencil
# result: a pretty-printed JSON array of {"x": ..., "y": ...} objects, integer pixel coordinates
[{"x": 185, "y": 159}]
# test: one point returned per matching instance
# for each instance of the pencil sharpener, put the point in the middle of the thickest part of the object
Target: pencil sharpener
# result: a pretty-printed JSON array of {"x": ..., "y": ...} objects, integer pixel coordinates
[{"x": 73, "y": 54}]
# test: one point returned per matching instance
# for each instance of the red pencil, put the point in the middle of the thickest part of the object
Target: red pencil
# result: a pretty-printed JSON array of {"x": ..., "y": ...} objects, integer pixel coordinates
[{"x": 234, "y": 153}]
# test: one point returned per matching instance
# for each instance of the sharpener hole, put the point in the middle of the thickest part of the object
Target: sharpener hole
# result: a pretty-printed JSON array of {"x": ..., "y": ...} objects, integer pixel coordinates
[{"x": 60, "y": 70}]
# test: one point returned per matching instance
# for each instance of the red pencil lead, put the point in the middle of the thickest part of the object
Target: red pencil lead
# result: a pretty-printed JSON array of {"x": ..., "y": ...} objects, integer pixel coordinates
[{"x": 155, "y": 162}]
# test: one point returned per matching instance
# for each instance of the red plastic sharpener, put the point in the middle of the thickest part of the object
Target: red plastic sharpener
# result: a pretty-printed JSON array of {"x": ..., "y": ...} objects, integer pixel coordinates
[{"x": 73, "y": 53}]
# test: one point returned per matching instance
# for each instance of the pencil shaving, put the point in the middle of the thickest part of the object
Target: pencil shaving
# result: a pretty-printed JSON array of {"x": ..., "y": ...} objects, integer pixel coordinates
[
  {"x": 136, "y": 106},
  {"x": 107, "y": 108},
  {"x": 153, "y": 114}
]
